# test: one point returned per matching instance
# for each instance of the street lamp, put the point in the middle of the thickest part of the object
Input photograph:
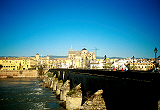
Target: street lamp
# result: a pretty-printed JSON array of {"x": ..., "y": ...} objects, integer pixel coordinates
[
  {"x": 105, "y": 61},
  {"x": 133, "y": 62},
  {"x": 155, "y": 51}
]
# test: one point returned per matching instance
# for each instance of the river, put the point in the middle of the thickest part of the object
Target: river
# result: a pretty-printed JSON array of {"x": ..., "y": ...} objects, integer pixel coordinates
[{"x": 26, "y": 94}]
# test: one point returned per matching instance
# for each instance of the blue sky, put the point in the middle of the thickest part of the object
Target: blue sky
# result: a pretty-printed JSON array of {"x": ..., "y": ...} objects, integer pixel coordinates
[{"x": 121, "y": 28}]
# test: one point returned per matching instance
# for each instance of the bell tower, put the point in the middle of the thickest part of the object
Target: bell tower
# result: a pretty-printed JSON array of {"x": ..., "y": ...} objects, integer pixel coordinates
[
  {"x": 37, "y": 56},
  {"x": 71, "y": 49}
]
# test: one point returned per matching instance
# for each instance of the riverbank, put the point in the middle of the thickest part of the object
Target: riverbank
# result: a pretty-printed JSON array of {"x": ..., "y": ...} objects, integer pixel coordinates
[{"x": 18, "y": 73}]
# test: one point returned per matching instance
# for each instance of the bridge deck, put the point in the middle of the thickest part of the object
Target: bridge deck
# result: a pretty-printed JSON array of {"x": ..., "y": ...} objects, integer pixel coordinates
[{"x": 132, "y": 75}]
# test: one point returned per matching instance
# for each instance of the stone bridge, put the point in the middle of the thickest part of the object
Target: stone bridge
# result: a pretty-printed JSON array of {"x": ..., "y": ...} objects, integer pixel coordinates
[{"x": 121, "y": 90}]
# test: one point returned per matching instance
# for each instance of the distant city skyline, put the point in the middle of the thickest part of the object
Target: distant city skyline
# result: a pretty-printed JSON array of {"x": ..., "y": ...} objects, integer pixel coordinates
[{"x": 50, "y": 27}]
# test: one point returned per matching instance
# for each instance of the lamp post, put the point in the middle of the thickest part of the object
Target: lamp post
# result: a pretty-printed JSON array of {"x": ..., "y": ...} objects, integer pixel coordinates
[
  {"x": 105, "y": 61},
  {"x": 133, "y": 62},
  {"x": 155, "y": 51}
]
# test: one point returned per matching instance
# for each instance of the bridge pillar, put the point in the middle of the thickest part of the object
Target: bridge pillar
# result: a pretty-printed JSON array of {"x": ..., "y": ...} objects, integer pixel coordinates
[
  {"x": 64, "y": 90},
  {"x": 55, "y": 84},
  {"x": 51, "y": 84},
  {"x": 59, "y": 85},
  {"x": 74, "y": 98},
  {"x": 59, "y": 72},
  {"x": 63, "y": 75}
]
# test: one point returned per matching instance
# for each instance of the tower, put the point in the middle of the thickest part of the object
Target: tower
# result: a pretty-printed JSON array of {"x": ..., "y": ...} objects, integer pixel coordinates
[
  {"x": 37, "y": 56},
  {"x": 71, "y": 49}
]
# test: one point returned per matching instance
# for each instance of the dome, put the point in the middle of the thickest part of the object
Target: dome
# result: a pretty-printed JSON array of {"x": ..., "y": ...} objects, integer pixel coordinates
[{"x": 84, "y": 48}]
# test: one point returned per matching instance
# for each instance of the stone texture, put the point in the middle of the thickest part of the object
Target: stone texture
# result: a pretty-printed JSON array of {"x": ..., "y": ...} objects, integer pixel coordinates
[
  {"x": 95, "y": 102},
  {"x": 59, "y": 85},
  {"x": 64, "y": 90},
  {"x": 55, "y": 82},
  {"x": 74, "y": 98},
  {"x": 51, "y": 84},
  {"x": 18, "y": 73},
  {"x": 73, "y": 103}
]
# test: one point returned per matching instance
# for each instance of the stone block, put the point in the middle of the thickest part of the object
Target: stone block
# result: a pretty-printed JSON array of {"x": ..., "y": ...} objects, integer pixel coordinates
[
  {"x": 74, "y": 98},
  {"x": 59, "y": 85},
  {"x": 73, "y": 103},
  {"x": 55, "y": 82},
  {"x": 64, "y": 90},
  {"x": 63, "y": 94}
]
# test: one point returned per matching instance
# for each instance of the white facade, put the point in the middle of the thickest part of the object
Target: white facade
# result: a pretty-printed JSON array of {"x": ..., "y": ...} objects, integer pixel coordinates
[{"x": 96, "y": 65}]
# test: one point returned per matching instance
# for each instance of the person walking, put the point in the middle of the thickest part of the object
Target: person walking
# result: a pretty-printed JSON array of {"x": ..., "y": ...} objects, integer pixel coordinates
[{"x": 114, "y": 69}]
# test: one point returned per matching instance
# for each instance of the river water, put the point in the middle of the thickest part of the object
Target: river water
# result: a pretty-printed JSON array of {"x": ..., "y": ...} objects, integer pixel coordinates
[{"x": 26, "y": 94}]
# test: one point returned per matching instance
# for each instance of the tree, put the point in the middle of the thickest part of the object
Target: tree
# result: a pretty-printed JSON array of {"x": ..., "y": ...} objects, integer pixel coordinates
[
  {"x": 20, "y": 65},
  {"x": 41, "y": 70},
  {"x": 1, "y": 67}
]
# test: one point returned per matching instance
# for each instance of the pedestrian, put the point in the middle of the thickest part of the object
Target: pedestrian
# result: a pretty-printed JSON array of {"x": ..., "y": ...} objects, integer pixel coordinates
[
  {"x": 114, "y": 69},
  {"x": 122, "y": 69}
]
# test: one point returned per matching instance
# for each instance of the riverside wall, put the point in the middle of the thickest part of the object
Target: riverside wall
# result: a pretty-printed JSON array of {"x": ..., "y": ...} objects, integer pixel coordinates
[{"x": 18, "y": 73}]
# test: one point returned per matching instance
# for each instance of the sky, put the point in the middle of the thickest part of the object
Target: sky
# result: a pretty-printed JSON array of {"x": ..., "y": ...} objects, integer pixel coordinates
[{"x": 121, "y": 28}]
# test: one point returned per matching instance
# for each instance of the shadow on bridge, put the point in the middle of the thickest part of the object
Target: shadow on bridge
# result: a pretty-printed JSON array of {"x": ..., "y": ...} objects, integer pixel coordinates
[{"x": 122, "y": 90}]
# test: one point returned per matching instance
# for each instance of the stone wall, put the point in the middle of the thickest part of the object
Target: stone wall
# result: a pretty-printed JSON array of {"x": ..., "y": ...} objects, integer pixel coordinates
[{"x": 18, "y": 73}]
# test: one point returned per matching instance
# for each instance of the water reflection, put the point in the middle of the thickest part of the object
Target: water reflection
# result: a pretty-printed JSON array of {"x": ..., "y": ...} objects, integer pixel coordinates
[{"x": 26, "y": 94}]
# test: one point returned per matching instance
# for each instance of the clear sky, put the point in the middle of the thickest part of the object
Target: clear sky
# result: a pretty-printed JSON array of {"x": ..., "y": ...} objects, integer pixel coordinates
[{"x": 121, "y": 28}]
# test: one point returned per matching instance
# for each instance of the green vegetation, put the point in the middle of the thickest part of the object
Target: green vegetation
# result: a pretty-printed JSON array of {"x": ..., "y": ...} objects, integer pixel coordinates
[
  {"x": 71, "y": 92},
  {"x": 41, "y": 70},
  {"x": 9, "y": 76},
  {"x": 50, "y": 74},
  {"x": 60, "y": 81},
  {"x": 56, "y": 78}
]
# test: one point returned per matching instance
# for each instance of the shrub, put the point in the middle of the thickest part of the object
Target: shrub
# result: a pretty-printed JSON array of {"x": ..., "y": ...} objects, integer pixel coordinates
[
  {"x": 60, "y": 81},
  {"x": 9, "y": 76},
  {"x": 50, "y": 75}
]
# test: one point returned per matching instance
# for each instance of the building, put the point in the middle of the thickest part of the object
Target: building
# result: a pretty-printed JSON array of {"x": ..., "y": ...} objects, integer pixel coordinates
[
  {"x": 76, "y": 59},
  {"x": 14, "y": 63},
  {"x": 97, "y": 64},
  {"x": 81, "y": 59},
  {"x": 142, "y": 66},
  {"x": 23, "y": 63}
]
